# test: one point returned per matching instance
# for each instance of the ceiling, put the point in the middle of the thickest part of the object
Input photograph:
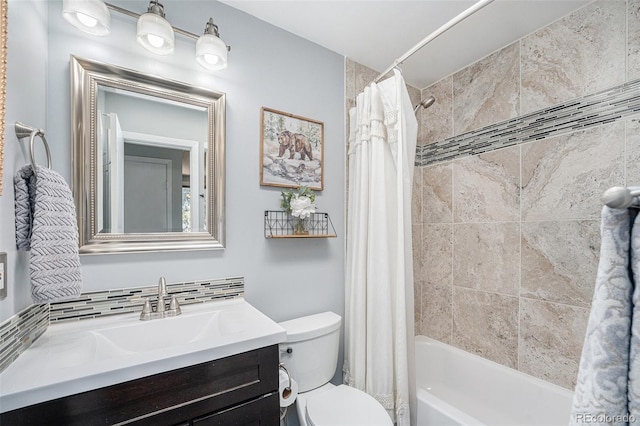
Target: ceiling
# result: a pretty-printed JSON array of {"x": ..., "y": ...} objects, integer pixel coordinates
[{"x": 376, "y": 32}]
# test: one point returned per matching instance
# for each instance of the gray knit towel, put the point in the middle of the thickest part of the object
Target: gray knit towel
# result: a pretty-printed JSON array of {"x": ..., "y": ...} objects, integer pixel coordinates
[{"x": 46, "y": 224}]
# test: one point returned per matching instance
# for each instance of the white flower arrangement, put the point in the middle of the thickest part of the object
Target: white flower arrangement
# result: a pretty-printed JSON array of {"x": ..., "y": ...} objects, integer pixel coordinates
[{"x": 300, "y": 205}]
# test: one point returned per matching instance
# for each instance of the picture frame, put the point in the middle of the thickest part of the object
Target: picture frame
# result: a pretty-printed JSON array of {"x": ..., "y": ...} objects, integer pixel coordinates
[{"x": 291, "y": 150}]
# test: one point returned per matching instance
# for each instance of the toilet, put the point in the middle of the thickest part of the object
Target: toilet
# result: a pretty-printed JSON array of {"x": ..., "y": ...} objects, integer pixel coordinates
[{"x": 310, "y": 354}]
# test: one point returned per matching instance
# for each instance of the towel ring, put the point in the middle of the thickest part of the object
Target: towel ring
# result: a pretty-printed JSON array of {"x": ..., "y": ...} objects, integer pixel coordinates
[{"x": 22, "y": 131}]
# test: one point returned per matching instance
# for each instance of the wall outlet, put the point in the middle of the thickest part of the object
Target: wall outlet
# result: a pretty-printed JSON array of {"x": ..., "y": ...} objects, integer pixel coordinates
[{"x": 3, "y": 275}]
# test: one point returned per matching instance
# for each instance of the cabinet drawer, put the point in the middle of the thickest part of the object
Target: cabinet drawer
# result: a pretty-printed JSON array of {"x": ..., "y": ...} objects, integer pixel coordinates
[
  {"x": 258, "y": 412},
  {"x": 167, "y": 398}
]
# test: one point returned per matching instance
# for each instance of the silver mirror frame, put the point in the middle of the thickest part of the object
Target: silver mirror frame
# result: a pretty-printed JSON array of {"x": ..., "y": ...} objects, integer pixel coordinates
[{"x": 86, "y": 76}]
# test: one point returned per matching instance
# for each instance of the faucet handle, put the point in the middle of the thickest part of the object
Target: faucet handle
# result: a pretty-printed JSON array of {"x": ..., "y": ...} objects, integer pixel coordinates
[
  {"x": 174, "y": 305},
  {"x": 146, "y": 308}
]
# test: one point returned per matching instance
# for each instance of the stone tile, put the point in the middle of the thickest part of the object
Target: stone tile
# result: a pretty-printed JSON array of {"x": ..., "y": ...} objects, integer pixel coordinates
[
  {"x": 633, "y": 40},
  {"x": 486, "y": 324},
  {"x": 416, "y": 196},
  {"x": 564, "y": 177},
  {"x": 418, "y": 251},
  {"x": 487, "y": 187},
  {"x": 551, "y": 339},
  {"x": 436, "y": 121},
  {"x": 577, "y": 55},
  {"x": 437, "y": 311},
  {"x": 363, "y": 77},
  {"x": 350, "y": 79},
  {"x": 436, "y": 251},
  {"x": 417, "y": 307},
  {"x": 633, "y": 152},
  {"x": 437, "y": 193},
  {"x": 487, "y": 91},
  {"x": 486, "y": 256},
  {"x": 560, "y": 261}
]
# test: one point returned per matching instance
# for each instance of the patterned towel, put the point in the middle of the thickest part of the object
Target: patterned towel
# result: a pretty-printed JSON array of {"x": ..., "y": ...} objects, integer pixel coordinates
[
  {"x": 607, "y": 391},
  {"x": 46, "y": 225}
]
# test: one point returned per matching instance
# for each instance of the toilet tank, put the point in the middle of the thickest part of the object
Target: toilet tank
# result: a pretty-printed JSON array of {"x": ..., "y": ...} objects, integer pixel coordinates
[{"x": 310, "y": 353}]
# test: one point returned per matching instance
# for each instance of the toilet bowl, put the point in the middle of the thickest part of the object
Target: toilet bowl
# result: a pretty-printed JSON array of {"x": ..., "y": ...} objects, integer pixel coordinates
[
  {"x": 311, "y": 355},
  {"x": 340, "y": 405}
]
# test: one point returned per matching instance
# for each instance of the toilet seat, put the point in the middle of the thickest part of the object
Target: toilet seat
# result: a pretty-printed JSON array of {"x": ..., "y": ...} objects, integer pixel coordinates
[{"x": 344, "y": 405}]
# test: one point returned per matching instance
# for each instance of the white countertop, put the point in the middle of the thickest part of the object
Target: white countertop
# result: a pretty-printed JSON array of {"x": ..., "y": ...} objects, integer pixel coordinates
[{"x": 74, "y": 357}]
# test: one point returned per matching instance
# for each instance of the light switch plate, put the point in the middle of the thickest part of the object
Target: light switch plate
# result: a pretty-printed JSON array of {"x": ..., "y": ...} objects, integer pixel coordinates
[{"x": 3, "y": 275}]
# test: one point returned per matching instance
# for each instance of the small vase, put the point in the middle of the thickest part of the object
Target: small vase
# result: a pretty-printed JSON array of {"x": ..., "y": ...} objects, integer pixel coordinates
[{"x": 300, "y": 226}]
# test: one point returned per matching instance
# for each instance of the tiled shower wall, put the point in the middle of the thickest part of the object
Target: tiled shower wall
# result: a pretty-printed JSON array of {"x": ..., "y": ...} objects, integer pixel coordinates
[{"x": 506, "y": 243}]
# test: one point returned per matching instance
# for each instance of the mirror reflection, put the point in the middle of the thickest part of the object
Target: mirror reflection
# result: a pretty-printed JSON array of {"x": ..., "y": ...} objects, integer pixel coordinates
[{"x": 152, "y": 158}]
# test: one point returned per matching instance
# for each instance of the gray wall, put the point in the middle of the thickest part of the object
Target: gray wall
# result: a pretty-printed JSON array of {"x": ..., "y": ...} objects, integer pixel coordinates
[
  {"x": 26, "y": 102},
  {"x": 267, "y": 67}
]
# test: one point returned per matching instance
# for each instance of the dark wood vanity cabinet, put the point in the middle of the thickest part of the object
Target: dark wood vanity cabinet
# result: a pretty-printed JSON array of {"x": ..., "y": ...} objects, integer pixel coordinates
[{"x": 238, "y": 390}]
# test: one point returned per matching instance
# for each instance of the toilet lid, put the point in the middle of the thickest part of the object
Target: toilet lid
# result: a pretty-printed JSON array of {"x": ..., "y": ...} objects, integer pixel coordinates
[{"x": 344, "y": 405}]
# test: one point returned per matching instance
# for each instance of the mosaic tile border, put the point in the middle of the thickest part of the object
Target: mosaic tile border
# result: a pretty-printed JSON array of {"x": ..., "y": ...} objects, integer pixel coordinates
[
  {"x": 597, "y": 109},
  {"x": 20, "y": 331},
  {"x": 114, "y": 302}
]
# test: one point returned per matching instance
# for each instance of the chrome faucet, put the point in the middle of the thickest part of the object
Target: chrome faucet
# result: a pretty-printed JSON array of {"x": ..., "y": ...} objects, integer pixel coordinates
[{"x": 161, "y": 310}]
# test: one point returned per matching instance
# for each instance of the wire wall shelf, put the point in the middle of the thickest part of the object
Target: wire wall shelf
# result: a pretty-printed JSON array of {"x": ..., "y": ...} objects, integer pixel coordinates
[{"x": 280, "y": 224}]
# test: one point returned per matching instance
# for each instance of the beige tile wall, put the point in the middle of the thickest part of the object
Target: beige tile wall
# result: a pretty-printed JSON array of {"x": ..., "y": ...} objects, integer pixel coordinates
[
  {"x": 506, "y": 243},
  {"x": 488, "y": 91},
  {"x": 633, "y": 37}
]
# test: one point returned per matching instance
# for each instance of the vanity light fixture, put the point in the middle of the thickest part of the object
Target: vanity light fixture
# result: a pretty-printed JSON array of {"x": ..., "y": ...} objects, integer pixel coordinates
[
  {"x": 211, "y": 52},
  {"x": 90, "y": 16},
  {"x": 154, "y": 32}
]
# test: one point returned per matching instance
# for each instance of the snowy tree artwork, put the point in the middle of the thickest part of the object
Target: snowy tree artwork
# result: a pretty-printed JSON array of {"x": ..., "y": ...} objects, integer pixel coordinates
[{"x": 291, "y": 150}]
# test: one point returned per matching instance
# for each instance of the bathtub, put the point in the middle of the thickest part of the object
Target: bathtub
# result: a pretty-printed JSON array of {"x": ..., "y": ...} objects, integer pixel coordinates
[{"x": 455, "y": 387}]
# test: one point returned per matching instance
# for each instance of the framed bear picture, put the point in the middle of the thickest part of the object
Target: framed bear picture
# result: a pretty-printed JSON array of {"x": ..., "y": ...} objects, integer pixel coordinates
[{"x": 291, "y": 150}]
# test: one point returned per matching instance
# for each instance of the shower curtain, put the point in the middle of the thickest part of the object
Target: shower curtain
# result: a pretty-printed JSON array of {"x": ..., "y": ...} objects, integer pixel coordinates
[
  {"x": 379, "y": 273},
  {"x": 608, "y": 386}
]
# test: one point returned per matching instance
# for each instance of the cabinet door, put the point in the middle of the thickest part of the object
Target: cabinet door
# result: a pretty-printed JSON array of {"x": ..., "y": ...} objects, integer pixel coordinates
[{"x": 264, "y": 411}]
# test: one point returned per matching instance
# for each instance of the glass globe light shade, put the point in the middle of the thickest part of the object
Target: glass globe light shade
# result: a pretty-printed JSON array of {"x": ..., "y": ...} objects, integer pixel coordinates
[
  {"x": 155, "y": 34},
  {"x": 211, "y": 52},
  {"x": 90, "y": 16}
]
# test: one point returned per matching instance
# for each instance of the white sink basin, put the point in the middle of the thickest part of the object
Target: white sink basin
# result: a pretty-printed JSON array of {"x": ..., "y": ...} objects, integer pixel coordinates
[
  {"x": 143, "y": 336},
  {"x": 74, "y": 357}
]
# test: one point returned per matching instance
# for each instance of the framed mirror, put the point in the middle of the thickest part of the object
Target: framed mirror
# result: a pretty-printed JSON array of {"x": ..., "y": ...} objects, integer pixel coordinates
[{"x": 148, "y": 161}]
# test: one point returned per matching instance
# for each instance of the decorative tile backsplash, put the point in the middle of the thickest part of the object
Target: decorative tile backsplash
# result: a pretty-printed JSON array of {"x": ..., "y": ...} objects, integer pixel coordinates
[
  {"x": 20, "y": 331},
  {"x": 120, "y": 301},
  {"x": 597, "y": 109}
]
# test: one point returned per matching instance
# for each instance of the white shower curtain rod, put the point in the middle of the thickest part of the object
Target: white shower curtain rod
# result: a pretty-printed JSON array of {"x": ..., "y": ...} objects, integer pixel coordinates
[{"x": 428, "y": 39}]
